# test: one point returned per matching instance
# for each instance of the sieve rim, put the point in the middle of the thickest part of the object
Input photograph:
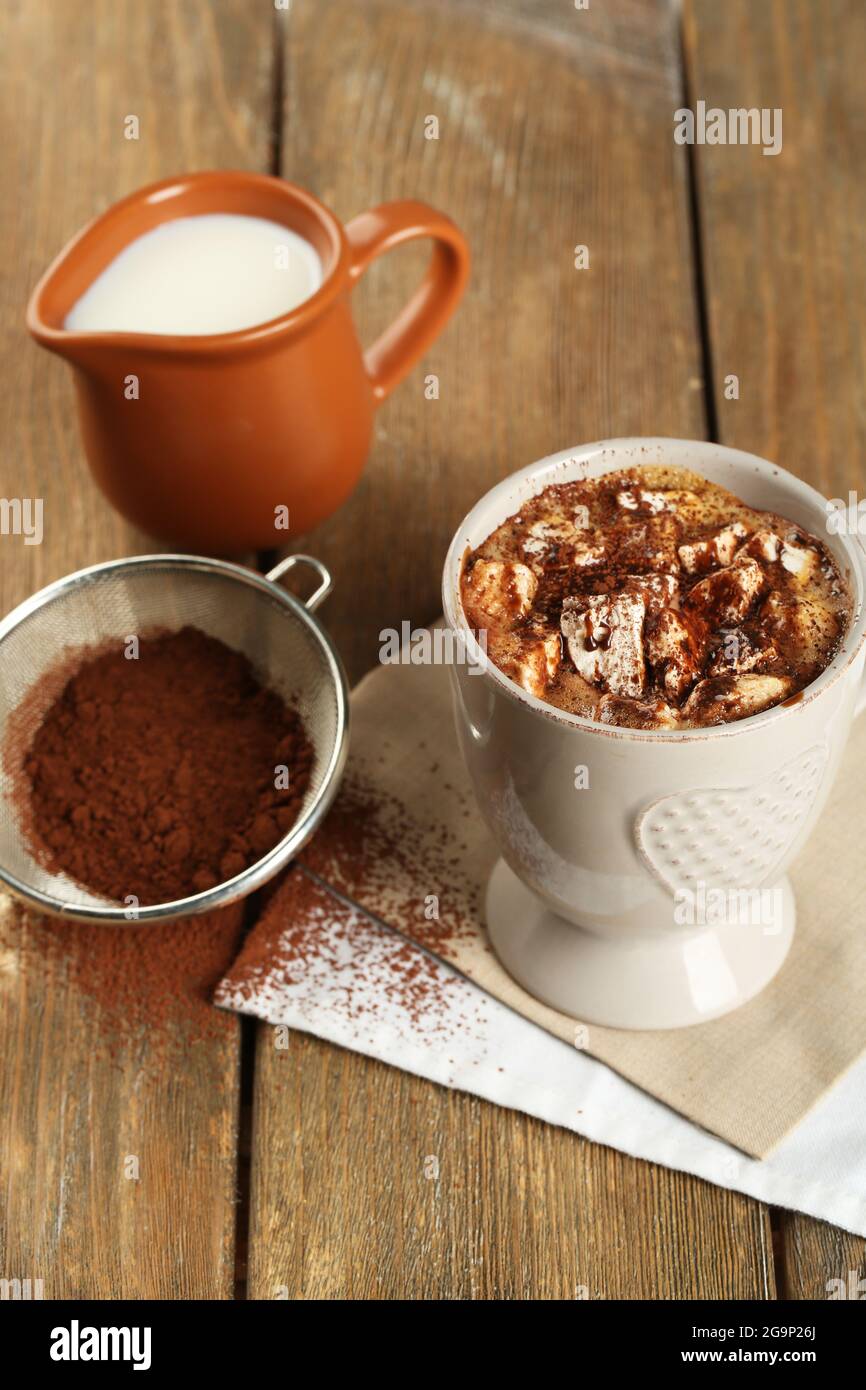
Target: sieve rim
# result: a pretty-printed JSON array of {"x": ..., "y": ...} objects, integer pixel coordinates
[{"x": 263, "y": 869}]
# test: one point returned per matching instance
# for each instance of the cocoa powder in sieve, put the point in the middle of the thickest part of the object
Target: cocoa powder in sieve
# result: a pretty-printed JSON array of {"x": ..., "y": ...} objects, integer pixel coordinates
[{"x": 157, "y": 777}]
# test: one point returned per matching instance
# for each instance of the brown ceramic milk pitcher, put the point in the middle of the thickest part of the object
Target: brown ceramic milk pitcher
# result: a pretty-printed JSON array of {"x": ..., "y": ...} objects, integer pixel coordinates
[{"x": 225, "y": 431}]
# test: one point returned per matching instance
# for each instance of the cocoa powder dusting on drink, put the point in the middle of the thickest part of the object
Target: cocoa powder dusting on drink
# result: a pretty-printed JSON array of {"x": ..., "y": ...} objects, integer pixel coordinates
[{"x": 160, "y": 776}]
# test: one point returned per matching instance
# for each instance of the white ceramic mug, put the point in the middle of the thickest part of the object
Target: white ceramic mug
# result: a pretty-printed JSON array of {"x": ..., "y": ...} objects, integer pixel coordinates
[{"x": 655, "y": 896}]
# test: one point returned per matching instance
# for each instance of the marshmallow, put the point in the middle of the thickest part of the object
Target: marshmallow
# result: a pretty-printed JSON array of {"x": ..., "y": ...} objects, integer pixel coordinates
[
  {"x": 801, "y": 561},
  {"x": 727, "y": 595},
  {"x": 604, "y": 635},
  {"x": 587, "y": 556},
  {"x": 674, "y": 647},
  {"x": 763, "y": 545},
  {"x": 700, "y": 556},
  {"x": 801, "y": 622},
  {"x": 637, "y": 714},
  {"x": 722, "y": 698},
  {"x": 650, "y": 545},
  {"x": 664, "y": 500},
  {"x": 658, "y": 591},
  {"x": 499, "y": 590},
  {"x": 537, "y": 663},
  {"x": 545, "y": 536},
  {"x": 558, "y": 539},
  {"x": 742, "y": 651}
]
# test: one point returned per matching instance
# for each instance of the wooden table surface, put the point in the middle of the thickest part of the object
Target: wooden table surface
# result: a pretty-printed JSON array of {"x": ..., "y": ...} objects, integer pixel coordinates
[{"x": 268, "y": 1173}]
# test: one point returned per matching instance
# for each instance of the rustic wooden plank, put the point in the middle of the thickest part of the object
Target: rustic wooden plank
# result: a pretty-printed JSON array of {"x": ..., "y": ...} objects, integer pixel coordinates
[
  {"x": 782, "y": 235},
  {"x": 818, "y": 1260},
  {"x": 541, "y": 354},
  {"x": 199, "y": 78},
  {"x": 547, "y": 140},
  {"x": 786, "y": 282},
  {"x": 343, "y": 1204}
]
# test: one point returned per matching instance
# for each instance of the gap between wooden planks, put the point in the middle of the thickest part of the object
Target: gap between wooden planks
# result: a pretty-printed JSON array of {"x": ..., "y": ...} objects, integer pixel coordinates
[
  {"x": 555, "y": 129},
  {"x": 199, "y": 78},
  {"x": 785, "y": 284}
]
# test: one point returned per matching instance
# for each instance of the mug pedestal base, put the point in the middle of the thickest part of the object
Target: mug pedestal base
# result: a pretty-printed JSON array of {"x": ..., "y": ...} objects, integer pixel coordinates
[{"x": 662, "y": 981}]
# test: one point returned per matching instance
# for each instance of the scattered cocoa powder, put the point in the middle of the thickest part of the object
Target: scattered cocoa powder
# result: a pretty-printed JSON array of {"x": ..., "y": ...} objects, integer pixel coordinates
[
  {"x": 152, "y": 986},
  {"x": 146, "y": 990},
  {"x": 306, "y": 935},
  {"x": 158, "y": 982},
  {"x": 409, "y": 875},
  {"x": 156, "y": 777}
]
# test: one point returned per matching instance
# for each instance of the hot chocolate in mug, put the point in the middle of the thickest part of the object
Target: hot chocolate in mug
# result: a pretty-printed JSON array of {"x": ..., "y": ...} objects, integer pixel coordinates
[
  {"x": 222, "y": 441},
  {"x": 643, "y": 879}
]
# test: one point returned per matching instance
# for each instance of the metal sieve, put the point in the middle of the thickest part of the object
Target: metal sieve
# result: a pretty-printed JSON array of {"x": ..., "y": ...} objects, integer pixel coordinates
[{"x": 287, "y": 646}]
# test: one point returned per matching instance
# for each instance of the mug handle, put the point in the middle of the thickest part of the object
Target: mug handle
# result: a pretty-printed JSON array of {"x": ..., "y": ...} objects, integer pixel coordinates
[{"x": 397, "y": 350}]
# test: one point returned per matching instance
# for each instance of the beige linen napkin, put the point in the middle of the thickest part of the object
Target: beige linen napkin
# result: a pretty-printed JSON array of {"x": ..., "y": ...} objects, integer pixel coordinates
[{"x": 405, "y": 841}]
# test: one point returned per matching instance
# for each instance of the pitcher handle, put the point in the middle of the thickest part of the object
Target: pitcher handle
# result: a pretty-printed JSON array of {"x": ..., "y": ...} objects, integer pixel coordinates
[{"x": 397, "y": 350}]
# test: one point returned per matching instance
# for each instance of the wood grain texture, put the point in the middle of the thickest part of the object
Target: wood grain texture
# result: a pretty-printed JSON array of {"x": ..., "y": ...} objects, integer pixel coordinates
[
  {"x": 814, "y": 1254},
  {"x": 198, "y": 76},
  {"x": 118, "y": 1150},
  {"x": 343, "y": 1207},
  {"x": 786, "y": 279},
  {"x": 548, "y": 139},
  {"x": 542, "y": 146},
  {"x": 782, "y": 235}
]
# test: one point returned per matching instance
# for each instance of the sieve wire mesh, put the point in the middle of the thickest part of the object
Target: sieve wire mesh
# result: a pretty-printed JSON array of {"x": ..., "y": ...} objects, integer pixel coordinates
[{"x": 287, "y": 652}]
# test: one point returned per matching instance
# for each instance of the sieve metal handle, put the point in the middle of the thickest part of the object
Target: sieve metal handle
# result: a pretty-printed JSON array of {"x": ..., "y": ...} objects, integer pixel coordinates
[{"x": 325, "y": 585}]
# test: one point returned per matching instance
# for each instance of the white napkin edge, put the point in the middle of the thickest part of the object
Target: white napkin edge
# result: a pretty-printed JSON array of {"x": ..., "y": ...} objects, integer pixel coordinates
[{"x": 612, "y": 1110}]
